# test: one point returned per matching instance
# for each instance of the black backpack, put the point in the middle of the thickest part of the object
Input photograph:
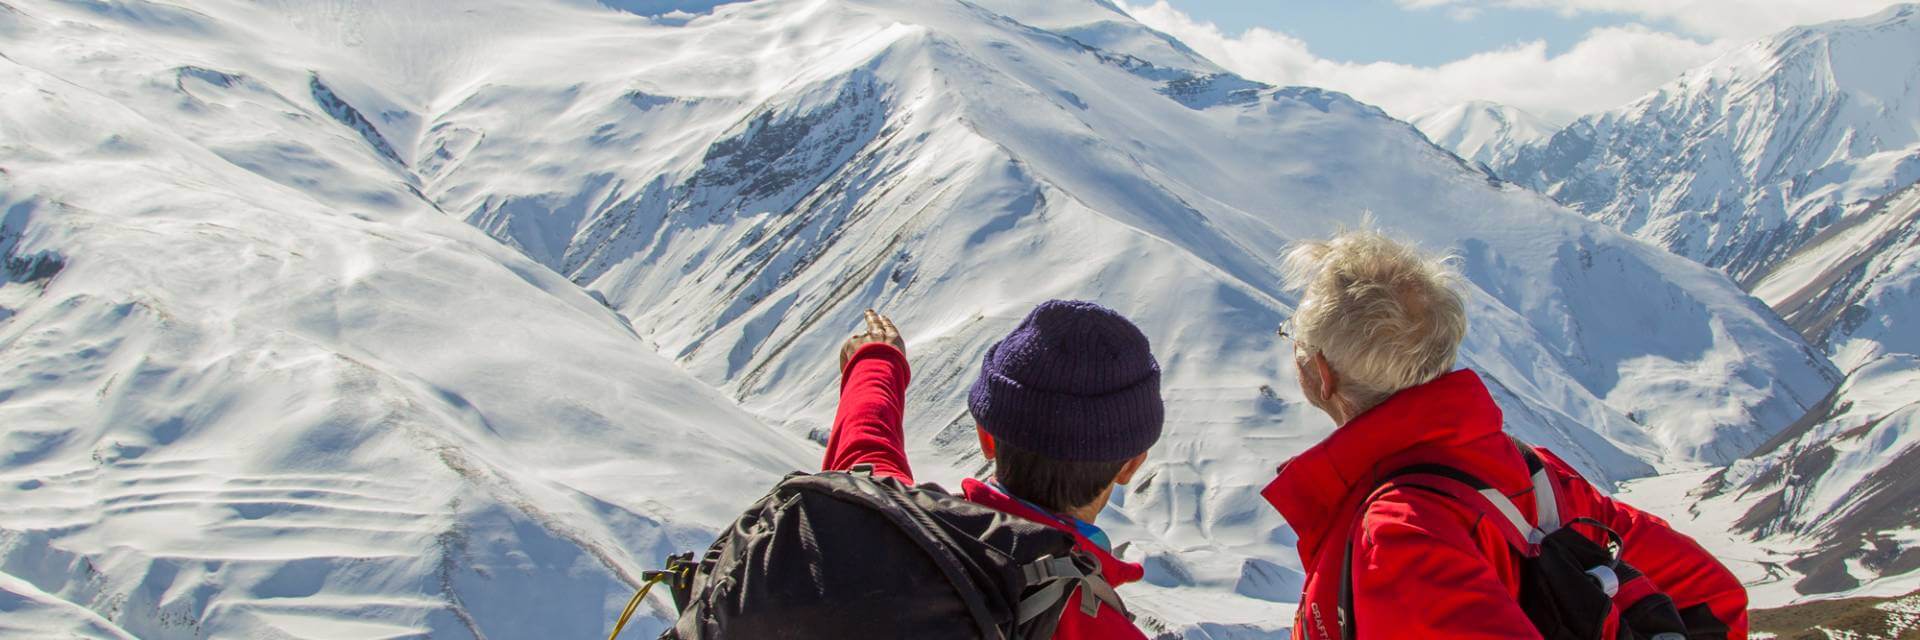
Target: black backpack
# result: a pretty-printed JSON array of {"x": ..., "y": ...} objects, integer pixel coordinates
[
  {"x": 847, "y": 555},
  {"x": 1567, "y": 581}
]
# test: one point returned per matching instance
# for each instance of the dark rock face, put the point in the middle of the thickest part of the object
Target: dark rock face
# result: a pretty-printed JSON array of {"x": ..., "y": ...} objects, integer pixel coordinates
[
  {"x": 779, "y": 152},
  {"x": 344, "y": 112},
  {"x": 34, "y": 268},
  {"x": 19, "y": 268},
  {"x": 1211, "y": 90},
  {"x": 1833, "y": 304}
]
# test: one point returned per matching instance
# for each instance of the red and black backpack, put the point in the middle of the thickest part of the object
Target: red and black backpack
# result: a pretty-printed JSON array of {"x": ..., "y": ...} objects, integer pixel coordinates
[
  {"x": 1570, "y": 585},
  {"x": 849, "y": 555}
]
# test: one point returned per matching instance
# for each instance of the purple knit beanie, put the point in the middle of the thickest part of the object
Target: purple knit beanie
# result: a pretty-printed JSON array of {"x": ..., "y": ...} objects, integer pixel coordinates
[{"x": 1075, "y": 381}]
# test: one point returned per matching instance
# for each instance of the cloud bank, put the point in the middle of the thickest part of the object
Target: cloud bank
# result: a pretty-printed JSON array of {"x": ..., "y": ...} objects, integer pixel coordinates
[
  {"x": 1737, "y": 20},
  {"x": 1609, "y": 67}
]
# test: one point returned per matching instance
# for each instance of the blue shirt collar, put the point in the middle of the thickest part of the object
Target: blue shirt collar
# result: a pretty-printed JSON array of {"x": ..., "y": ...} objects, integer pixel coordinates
[{"x": 1087, "y": 529}]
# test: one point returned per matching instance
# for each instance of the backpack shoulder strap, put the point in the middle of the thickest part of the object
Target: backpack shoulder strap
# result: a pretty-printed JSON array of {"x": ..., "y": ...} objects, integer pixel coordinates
[
  {"x": 1546, "y": 500},
  {"x": 1051, "y": 581},
  {"x": 1465, "y": 489}
]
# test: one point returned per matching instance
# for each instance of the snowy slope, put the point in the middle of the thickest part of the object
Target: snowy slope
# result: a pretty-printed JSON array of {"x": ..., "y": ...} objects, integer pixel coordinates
[
  {"x": 1793, "y": 164},
  {"x": 1841, "y": 483},
  {"x": 1738, "y": 163},
  {"x": 1485, "y": 133},
  {"x": 957, "y": 167},
  {"x": 230, "y": 408},
  {"x": 224, "y": 214}
]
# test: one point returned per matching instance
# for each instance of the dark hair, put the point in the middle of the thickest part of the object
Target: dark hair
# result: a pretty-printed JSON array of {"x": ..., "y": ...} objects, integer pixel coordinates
[{"x": 1056, "y": 485}]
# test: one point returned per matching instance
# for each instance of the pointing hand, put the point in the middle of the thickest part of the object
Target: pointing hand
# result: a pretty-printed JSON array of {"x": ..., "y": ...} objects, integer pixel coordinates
[{"x": 879, "y": 329}]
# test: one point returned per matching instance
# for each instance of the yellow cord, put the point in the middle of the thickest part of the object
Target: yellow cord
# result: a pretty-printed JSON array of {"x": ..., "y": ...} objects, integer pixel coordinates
[{"x": 635, "y": 602}]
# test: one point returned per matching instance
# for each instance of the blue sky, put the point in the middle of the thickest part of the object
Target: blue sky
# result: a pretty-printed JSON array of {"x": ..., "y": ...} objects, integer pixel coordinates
[
  {"x": 1558, "y": 59},
  {"x": 1380, "y": 30}
]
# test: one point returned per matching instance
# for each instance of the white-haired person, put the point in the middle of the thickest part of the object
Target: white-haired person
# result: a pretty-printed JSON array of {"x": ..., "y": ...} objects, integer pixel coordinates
[{"x": 1399, "y": 512}]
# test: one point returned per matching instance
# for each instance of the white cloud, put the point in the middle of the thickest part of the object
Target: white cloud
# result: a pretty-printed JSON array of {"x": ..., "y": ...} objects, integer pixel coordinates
[
  {"x": 1718, "y": 19},
  {"x": 1610, "y": 67},
  {"x": 1463, "y": 13}
]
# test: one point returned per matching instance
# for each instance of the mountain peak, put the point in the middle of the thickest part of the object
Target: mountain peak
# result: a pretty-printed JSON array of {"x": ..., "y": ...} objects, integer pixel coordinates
[
  {"x": 1880, "y": 42},
  {"x": 1899, "y": 13},
  {"x": 1483, "y": 132},
  {"x": 1056, "y": 13},
  {"x": 1807, "y": 120},
  {"x": 446, "y": 310},
  {"x": 1791, "y": 164}
]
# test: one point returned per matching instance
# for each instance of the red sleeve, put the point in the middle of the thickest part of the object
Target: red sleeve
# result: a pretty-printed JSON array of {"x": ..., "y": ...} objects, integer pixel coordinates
[
  {"x": 867, "y": 429},
  {"x": 1705, "y": 591},
  {"x": 1418, "y": 573},
  {"x": 1107, "y": 625}
]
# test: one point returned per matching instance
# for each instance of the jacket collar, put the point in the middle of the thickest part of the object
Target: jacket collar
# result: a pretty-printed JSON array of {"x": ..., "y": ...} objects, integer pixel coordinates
[
  {"x": 1116, "y": 571},
  {"x": 1447, "y": 420}
]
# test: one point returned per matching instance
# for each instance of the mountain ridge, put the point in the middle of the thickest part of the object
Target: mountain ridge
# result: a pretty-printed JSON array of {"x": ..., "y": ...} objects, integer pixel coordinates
[
  {"x": 1855, "y": 152},
  {"x": 661, "y": 253},
  {"x": 1792, "y": 164}
]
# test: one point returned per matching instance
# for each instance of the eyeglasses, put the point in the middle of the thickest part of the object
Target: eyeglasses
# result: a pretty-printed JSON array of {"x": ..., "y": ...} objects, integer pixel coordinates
[{"x": 1290, "y": 332}]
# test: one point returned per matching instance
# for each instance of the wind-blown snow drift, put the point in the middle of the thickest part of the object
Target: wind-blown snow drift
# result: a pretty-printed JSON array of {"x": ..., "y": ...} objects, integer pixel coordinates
[{"x": 376, "y": 422}]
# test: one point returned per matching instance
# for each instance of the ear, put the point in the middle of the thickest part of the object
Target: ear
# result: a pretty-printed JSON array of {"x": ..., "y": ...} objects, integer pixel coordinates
[
  {"x": 1133, "y": 467},
  {"x": 986, "y": 442},
  {"x": 1329, "y": 381}
]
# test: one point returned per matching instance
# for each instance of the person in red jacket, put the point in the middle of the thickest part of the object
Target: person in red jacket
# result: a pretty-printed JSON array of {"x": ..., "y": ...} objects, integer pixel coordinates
[
  {"x": 1375, "y": 337},
  {"x": 1066, "y": 407}
]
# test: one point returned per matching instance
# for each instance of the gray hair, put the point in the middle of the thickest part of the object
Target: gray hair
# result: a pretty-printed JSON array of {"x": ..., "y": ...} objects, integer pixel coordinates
[{"x": 1386, "y": 316}]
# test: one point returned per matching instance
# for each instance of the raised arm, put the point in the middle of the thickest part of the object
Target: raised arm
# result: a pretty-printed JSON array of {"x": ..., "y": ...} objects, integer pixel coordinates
[{"x": 873, "y": 398}]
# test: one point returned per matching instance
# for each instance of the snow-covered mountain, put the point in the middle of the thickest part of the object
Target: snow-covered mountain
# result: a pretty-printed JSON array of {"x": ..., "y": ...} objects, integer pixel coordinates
[
  {"x": 960, "y": 170},
  {"x": 1485, "y": 133},
  {"x": 1794, "y": 164},
  {"x": 1838, "y": 491},
  {"x": 258, "y": 378},
  {"x": 250, "y": 388},
  {"x": 1742, "y": 161}
]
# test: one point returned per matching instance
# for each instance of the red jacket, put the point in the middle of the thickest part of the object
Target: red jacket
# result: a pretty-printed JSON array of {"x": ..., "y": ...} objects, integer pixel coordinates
[
  {"x": 1429, "y": 566},
  {"x": 867, "y": 430}
]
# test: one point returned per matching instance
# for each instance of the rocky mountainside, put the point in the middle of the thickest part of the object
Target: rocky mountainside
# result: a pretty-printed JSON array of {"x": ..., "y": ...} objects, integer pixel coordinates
[
  {"x": 357, "y": 319},
  {"x": 1739, "y": 163},
  {"x": 968, "y": 166},
  {"x": 1841, "y": 485},
  {"x": 1794, "y": 165}
]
